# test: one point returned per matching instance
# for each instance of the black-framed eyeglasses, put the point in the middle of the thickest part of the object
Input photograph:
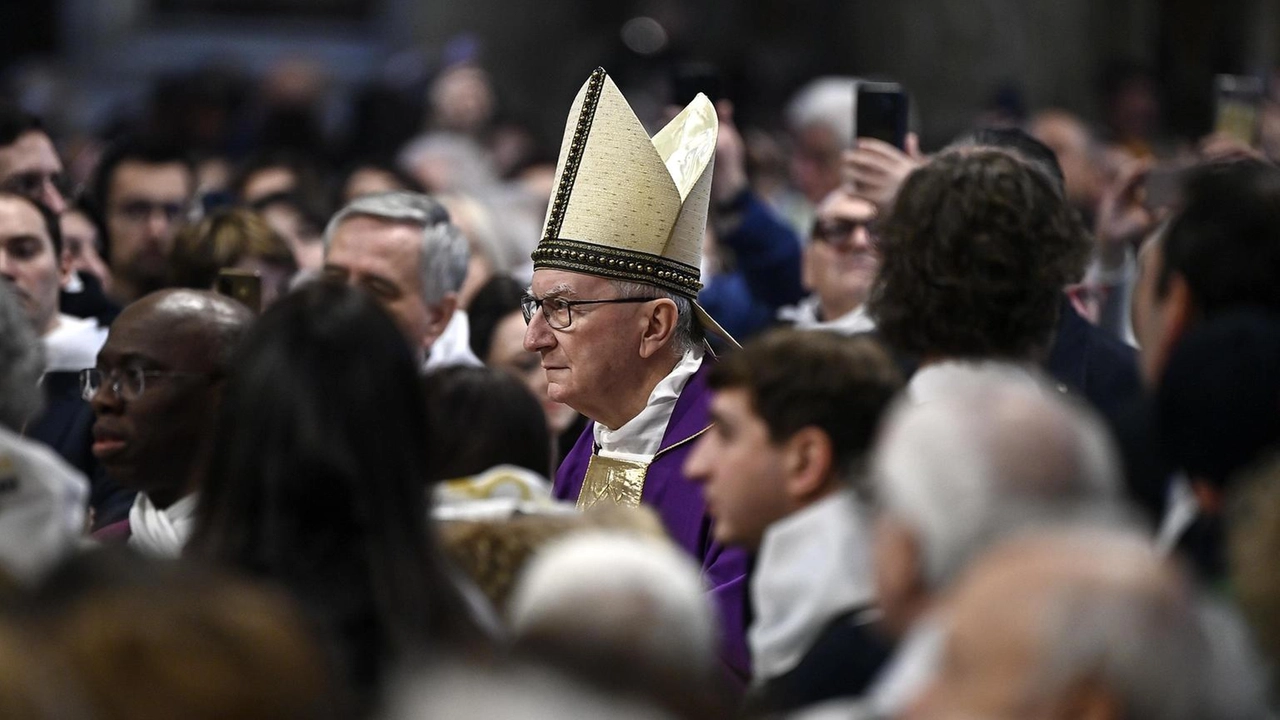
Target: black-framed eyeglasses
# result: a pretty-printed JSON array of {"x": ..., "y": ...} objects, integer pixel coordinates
[
  {"x": 137, "y": 212},
  {"x": 128, "y": 383},
  {"x": 558, "y": 312},
  {"x": 839, "y": 233}
]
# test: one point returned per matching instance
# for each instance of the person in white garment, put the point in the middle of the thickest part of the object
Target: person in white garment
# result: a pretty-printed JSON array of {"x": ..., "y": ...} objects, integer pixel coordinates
[
  {"x": 30, "y": 253},
  {"x": 402, "y": 248},
  {"x": 794, "y": 413},
  {"x": 840, "y": 264},
  {"x": 155, "y": 394},
  {"x": 990, "y": 453}
]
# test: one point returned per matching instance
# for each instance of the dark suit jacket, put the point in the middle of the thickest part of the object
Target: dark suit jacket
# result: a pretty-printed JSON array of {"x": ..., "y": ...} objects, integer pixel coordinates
[{"x": 1092, "y": 363}]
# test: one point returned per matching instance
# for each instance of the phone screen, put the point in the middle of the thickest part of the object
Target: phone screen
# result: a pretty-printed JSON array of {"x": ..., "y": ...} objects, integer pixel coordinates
[
  {"x": 241, "y": 285},
  {"x": 1237, "y": 102},
  {"x": 880, "y": 111}
]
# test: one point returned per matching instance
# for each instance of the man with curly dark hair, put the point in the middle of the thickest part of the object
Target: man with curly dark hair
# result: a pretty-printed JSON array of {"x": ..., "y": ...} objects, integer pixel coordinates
[{"x": 976, "y": 251}]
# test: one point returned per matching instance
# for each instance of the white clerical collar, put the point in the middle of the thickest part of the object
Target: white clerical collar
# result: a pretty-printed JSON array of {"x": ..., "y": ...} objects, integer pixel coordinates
[
  {"x": 805, "y": 317},
  {"x": 813, "y": 566},
  {"x": 161, "y": 533},
  {"x": 640, "y": 438}
]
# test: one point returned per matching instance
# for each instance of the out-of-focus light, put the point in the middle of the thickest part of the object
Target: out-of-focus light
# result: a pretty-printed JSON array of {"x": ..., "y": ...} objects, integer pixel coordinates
[{"x": 644, "y": 35}]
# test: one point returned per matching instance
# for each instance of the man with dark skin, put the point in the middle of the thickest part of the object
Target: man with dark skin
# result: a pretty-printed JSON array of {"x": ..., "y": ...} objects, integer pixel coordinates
[{"x": 155, "y": 393}]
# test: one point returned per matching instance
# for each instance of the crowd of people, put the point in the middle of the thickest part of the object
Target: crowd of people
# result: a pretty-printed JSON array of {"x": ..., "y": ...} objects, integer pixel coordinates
[{"x": 684, "y": 421}]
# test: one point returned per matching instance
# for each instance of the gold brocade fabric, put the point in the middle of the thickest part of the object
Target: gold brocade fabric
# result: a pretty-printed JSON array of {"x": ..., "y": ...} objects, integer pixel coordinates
[{"x": 620, "y": 482}]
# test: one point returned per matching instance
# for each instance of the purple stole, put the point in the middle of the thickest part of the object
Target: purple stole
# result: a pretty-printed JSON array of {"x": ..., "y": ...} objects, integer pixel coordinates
[{"x": 684, "y": 513}]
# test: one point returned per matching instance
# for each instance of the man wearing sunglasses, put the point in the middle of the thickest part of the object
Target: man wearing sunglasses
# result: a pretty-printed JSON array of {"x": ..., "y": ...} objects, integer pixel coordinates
[
  {"x": 840, "y": 263},
  {"x": 613, "y": 311},
  {"x": 155, "y": 392}
]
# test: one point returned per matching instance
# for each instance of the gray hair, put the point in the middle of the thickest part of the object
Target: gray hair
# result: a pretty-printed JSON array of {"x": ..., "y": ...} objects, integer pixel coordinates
[
  {"x": 688, "y": 333},
  {"x": 994, "y": 452},
  {"x": 443, "y": 254},
  {"x": 21, "y": 363},
  {"x": 1165, "y": 652},
  {"x": 827, "y": 102},
  {"x": 609, "y": 591}
]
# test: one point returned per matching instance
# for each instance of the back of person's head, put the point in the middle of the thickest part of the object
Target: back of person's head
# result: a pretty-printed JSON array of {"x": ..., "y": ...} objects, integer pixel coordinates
[
  {"x": 319, "y": 470},
  {"x": 996, "y": 453},
  {"x": 496, "y": 299},
  {"x": 1021, "y": 144},
  {"x": 1253, "y": 544},
  {"x": 826, "y": 102},
  {"x": 156, "y": 639},
  {"x": 21, "y": 363},
  {"x": 1218, "y": 403},
  {"x": 625, "y": 612},
  {"x": 478, "y": 418},
  {"x": 975, "y": 253},
  {"x": 221, "y": 240},
  {"x": 1224, "y": 240},
  {"x": 34, "y": 685},
  {"x": 805, "y": 378}
]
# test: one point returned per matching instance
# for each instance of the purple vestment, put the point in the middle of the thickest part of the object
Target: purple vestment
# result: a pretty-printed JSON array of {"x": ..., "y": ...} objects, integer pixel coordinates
[{"x": 684, "y": 514}]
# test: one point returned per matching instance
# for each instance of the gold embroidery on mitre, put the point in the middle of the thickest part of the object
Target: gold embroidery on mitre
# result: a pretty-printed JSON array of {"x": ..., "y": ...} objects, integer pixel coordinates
[{"x": 620, "y": 482}]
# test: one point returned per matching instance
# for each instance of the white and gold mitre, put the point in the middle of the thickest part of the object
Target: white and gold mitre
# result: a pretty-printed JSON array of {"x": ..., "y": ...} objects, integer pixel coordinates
[{"x": 628, "y": 207}]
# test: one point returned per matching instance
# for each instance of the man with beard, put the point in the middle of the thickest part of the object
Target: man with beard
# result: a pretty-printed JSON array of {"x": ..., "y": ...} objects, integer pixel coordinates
[{"x": 144, "y": 192}]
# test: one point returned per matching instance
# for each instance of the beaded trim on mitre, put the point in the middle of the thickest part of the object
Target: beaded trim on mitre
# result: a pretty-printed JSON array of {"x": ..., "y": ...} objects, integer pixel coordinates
[
  {"x": 591, "y": 258},
  {"x": 619, "y": 264}
]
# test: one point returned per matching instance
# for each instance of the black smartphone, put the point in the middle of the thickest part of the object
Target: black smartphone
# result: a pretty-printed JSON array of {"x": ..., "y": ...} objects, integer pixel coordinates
[
  {"x": 241, "y": 285},
  {"x": 693, "y": 78},
  {"x": 880, "y": 111}
]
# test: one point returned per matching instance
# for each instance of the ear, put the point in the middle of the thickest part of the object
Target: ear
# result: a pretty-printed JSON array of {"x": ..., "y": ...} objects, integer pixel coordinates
[
  {"x": 64, "y": 267},
  {"x": 809, "y": 458},
  {"x": 659, "y": 327},
  {"x": 438, "y": 319}
]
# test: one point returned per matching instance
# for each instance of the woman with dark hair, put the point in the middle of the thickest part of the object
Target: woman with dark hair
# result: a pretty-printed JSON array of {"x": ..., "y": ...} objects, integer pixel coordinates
[
  {"x": 317, "y": 482},
  {"x": 479, "y": 419}
]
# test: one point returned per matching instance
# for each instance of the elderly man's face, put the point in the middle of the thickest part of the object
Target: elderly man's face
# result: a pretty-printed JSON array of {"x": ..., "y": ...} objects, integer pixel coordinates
[
  {"x": 590, "y": 363},
  {"x": 383, "y": 257},
  {"x": 28, "y": 261},
  {"x": 841, "y": 260}
]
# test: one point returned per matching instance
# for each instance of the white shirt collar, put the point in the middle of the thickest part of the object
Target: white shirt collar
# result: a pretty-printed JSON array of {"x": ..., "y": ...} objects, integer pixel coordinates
[
  {"x": 813, "y": 566},
  {"x": 640, "y": 438},
  {"x": 73, "y": 344},
  {"x": 805, "y": 317},
  {"x": 453, "y": 347},
  {"x": 937, "y": 379},
  {"x": 911, "y": 668},
  {"x": 161, "y": 533}
]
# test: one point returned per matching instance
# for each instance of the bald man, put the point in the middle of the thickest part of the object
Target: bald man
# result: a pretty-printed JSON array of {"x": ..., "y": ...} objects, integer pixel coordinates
[
  {"x": 155, "y": 393},
  {"x": 1082, "y": 624}
]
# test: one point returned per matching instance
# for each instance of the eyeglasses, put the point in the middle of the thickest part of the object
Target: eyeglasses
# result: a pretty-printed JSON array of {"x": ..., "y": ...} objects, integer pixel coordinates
[
  {"x": 127, "y": 384},
  {"x": 839, "y": 233},
  {"x": 558, "y": 312},
  {"x": 138, "y": 212}
]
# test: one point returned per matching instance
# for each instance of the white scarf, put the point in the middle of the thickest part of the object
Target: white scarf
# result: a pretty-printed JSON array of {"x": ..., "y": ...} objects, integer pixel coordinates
[
  {"x": 640, "y": 438},
  {"x": 813, "y": 566},
  {"x": 161, "y": 533}
]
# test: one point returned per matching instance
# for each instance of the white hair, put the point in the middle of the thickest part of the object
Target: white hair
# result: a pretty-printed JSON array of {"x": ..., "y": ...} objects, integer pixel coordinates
[
  {"x": 687, "y": 334},
  {"x": 21, "y": 363},
  {"x": 1142, "y": 632},
  {"x": 642, "y": 597},
  {"x": 826, "y": 102},
  {"x": 443, "y": 253},
  {"x": 993, "y": 452}
]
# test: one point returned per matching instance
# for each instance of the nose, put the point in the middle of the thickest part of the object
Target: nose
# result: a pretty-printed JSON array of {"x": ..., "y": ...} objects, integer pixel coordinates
[
  {"x": 52, "y": 197},
  {"x": 697, "y": 465},
  {"x": 538, "y": 335},
  {"x": 105, "y": 400},
  {"x": 861, "y": 237},
  {"x": 158, "y": 225}
]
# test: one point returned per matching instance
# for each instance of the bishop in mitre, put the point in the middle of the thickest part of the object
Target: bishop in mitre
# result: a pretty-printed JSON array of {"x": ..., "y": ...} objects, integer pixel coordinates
[{"x": 613, "y": 311}]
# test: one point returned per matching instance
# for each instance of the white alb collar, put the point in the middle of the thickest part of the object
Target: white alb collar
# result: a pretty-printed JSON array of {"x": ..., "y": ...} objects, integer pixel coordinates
[
  {"x": 813, "y": 566},
  {"x": 640, "y": 438}
]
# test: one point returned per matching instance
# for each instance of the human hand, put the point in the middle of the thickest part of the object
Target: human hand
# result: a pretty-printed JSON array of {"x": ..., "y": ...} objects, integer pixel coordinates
[
  {"x": 1221, "y": 147},
  {"x": 875, "y": 169},
  {"x": 1123, "y": 218}
]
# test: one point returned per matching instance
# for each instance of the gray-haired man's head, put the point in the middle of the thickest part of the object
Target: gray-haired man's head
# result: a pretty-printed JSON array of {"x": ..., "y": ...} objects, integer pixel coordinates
[{"x": 401, "y": 248}]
